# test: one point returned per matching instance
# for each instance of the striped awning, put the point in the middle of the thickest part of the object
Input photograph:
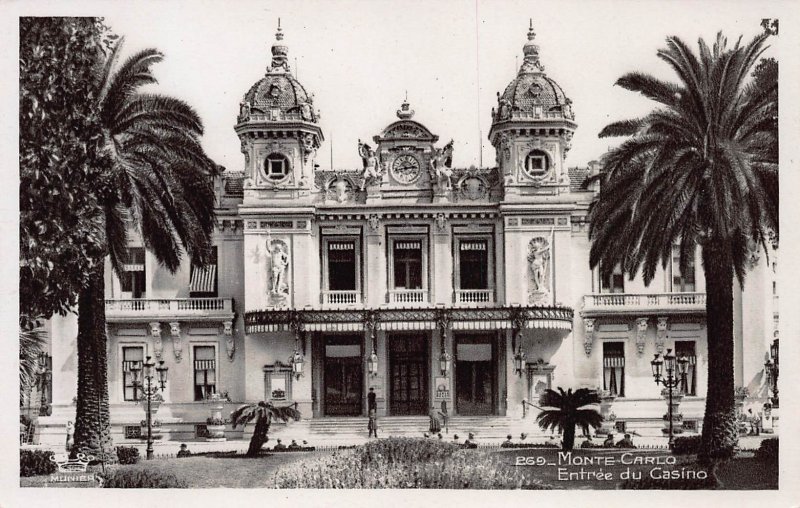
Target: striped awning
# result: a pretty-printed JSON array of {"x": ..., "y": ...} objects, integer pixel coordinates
[
  {"x": 473, "y": 246},
  {"x": 133, "y": 267},
  {"x": 408, "y": 245},
  {"x": 341, "y": 245},
  {"x": 408, "y": 325},
  {"x": 614, "y": 361},
  {"x": 333, "y": 327},
  {"x": 203, "y": 279}
]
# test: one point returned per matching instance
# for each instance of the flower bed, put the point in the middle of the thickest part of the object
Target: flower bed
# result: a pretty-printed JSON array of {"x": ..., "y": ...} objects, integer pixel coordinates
[{"x": 405, "y": 463}]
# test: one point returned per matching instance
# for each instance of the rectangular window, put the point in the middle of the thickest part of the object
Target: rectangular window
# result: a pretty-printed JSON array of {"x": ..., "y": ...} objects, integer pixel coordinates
[
  {"x": 133, "y": 279},
  {"x": 205, "y": 372},
  {"x": 686, "y": 348},
  {"x": 203, "y": 281},
  {"x": 473, "y": 264},
  {"x": 342, "y": 265},
  {"x": 407, "y": 264},
  {"x": 682, "y": 282},
  {"x": 614, "y": 283},
  {"x": 132, "y": 357},
  {"x": 614, "y": 368}
]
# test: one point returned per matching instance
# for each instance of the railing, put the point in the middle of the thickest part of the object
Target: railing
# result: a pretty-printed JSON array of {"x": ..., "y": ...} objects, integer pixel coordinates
[
  {"x": 474, "y": 295},
  {"x": 168, "y": 306},
  {"x": 408, "y": 295},
  {"x": 626, "y": 302},
  {"x": 341, "y": 297}
]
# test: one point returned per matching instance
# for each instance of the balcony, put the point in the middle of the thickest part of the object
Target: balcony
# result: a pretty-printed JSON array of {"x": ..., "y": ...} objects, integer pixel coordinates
[
  {"x": 408, "y": 296},
  {"x": 164, "y": 309},
  {"x": 474, "y": 296},
  {"x": 341, "y": 298},
  {"x": 654, "y": 303}
]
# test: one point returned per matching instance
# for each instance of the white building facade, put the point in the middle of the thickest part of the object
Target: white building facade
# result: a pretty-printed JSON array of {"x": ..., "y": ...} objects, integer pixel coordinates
[{"x": 458, "y": 290}]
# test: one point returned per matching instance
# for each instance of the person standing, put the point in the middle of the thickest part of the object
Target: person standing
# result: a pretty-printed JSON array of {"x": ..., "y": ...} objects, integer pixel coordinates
[{"x": 372, "y": 409}]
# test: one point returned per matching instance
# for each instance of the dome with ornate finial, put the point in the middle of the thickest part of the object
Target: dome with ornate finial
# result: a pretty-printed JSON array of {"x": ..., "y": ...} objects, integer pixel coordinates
[
  {"x": 278, "y": 95},
  {"x": 532, "y": 95}
]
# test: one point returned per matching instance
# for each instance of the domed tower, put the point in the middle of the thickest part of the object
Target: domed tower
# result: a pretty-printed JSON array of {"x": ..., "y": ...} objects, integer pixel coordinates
[
  {"x": 532, "y": 128},
  {"x": 279, "y": 131}
]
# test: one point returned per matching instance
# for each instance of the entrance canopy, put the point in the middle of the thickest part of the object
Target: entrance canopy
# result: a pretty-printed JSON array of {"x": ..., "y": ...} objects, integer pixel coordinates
[{"x": 493, "y": 318}]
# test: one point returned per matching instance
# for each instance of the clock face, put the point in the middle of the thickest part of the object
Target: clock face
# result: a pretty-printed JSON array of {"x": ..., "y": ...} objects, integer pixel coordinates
[{"x": 405, "y": 168}]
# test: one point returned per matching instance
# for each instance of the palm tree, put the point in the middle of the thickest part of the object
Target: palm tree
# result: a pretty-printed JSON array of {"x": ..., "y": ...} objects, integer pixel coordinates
[
  {"x": 155, "y": 179},
  {"x": 568, "y": 409},
  {"x": 701, "y": 169},
  {"x": 263, "y": 413},
  {"x": 31, "y": 342}
]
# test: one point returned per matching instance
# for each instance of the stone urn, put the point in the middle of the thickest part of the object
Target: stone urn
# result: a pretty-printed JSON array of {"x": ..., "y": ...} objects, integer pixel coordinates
[
  {"x": 609, "y": 419},
  {"x": 215, "y": 424},
  {"x": 677, "y": 417}
]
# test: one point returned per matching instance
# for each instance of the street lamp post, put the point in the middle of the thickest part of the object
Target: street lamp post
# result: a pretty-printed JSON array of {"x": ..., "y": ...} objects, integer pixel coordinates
[
  {"x": 149, "y": 389},
  {"x": 675, "y": 375}
]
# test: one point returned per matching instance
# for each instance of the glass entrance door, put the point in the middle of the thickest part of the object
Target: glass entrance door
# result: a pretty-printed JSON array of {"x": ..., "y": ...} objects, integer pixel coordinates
[
  {"x": 408, "y": 370},
  {"x": 343, "y": 376},
  {"x": 474, "y": 375}
]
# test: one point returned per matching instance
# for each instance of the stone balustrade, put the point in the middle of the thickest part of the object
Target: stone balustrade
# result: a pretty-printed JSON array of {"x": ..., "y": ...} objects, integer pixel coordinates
[{"x": 628, "y": 303}]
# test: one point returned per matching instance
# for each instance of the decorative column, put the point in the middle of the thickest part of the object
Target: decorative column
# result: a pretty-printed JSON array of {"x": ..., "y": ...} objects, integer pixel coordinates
[
  {"x": 230, "y": 346},
  {"x": 177, "y": 347},
  {"x": 673, "y": 408},
  {"x": 641, "y": 334},
  {"x": 155, "y": 332}
]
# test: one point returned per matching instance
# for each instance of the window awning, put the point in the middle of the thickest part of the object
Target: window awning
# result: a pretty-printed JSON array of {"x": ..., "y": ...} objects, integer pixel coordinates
[
  {"x": 133, "y": 267},
  {"x": 614, "y": 361},
  {"x": 203, "y": 279},
  {"x": 473, "y": 246},
  {"x": 408, "y": 245}
]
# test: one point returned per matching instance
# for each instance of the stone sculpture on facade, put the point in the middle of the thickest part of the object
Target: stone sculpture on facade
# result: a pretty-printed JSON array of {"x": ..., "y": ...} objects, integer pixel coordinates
[
  {"x": 440, "y": 165},
  {"x": 244, "y": 111},
  {"x": 372, "y": 164},
  {"x": 539, "y": 265},
  {"x": 279, "y": 261}
]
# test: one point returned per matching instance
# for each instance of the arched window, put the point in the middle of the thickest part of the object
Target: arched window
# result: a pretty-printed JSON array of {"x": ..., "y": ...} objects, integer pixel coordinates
[
  {"x": 276, "y": 167},
  {"x": 537, "y": 164}
]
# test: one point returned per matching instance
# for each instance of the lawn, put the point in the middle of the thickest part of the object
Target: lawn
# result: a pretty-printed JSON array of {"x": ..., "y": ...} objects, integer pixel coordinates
[{"x": 606, "y": 469}]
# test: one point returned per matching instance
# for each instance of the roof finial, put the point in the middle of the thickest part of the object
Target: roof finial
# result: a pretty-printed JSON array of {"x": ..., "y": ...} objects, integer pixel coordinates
[
  {"x": 279, "y": 33},
  {"x": 405, "y": 112},
  {"x": 279, "y": 53},
  {"x": 531, "y": 33}
]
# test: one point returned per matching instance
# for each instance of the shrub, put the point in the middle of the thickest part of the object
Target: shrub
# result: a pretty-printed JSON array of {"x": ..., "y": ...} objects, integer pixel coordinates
[
  {"x": 127, "y": 454},
  {"x": 215, "y": 421},
  {"x": 405, "y": 463},
  {"x": 686, "y": 445},
  {"x": 35, "y": 463},
  {"x": 768, "y": 451},
  {"x": 137, "y": 478}
]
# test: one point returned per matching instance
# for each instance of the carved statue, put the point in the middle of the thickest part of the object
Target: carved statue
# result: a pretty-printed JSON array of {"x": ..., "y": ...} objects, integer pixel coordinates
[
  {"x": 372, "y": 164},
  {"x": 440, "y": 165},
  {"x": 538, "y": 258},
  {"x": 505, "y": 109},
  {"x": 280, "y": 261},
  {"x": 244, "y": 110},
  {"x": 306, "y": 112}
]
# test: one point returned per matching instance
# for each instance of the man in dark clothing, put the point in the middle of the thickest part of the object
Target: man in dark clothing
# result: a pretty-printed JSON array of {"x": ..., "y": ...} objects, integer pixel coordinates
[{"x": 372, "y": 407}]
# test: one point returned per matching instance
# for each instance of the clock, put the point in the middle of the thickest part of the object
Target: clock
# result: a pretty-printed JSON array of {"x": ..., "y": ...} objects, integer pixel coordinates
[{"x": 405, "y": 168}]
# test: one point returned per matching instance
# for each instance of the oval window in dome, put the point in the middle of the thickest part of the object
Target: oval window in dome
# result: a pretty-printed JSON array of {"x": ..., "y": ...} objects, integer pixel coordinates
[
  {"x": 537, "y": 164},
  {"x": 276, "y": 167}
]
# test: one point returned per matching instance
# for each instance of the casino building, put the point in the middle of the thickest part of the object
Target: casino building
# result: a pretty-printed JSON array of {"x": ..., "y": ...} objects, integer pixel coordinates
[{"x": 445, "y": 289}]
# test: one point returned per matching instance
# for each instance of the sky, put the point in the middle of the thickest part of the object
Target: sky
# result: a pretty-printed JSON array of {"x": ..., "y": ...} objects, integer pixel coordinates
[{"x": 451, "y": 57}]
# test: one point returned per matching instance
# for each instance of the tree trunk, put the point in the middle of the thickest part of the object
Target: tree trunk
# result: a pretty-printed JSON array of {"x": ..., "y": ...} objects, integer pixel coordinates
[
  {"x": 569, "y": 436},
  {"x": 720, "y": 434},
  {"x": 92, "y": 420},
  {"x": 259, "y": 437}
]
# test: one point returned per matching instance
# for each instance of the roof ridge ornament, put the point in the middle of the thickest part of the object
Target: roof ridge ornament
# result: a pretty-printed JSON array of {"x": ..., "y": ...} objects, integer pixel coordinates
[
  {"x": 405, "y": 112},
  {"x": 531, "y": 61},
  {"x": 280, "y": 52}
]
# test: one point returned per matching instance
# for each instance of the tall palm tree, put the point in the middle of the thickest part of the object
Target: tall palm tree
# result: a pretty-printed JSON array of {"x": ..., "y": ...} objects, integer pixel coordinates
[
  {"x": 568, "y": 409},
  {"x": 156, "y": 180},
  {"x": 263, "y": 413},
  {"x": 701, "y": 169}
]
